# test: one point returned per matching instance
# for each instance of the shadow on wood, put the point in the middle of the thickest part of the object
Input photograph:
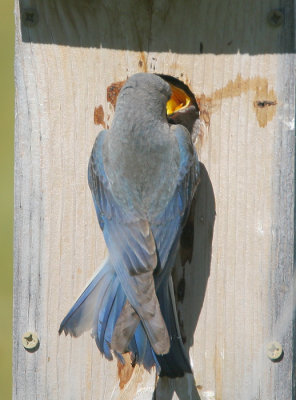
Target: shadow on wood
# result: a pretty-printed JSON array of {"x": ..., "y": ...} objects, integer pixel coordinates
[
  {"x": 190, "y": 278},
  {"x": 193, "y": 27}
]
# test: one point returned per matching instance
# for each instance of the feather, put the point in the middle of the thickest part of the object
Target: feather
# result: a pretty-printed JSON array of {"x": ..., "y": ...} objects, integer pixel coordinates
[{"x": 142, "y": 183}]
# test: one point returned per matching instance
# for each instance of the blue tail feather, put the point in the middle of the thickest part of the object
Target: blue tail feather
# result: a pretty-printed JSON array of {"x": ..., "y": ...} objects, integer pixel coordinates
[
  {"x": 102, "y": 318},
  {"x": 99, "y": 307},
  {"x": 176, "y": 362},
  {"x": 80, "y": 316},
  {"x": 107, "y": 317},
  {"x": 119, "y": 302}
]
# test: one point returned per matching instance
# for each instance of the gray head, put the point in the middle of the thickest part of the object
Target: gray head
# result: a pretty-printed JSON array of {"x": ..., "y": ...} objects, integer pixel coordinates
[
  {"x": 149, "y": 83},
  {"x": 143, "y": 93}
]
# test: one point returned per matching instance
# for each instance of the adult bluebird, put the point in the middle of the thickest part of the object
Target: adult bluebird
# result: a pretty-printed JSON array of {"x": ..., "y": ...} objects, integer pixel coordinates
[{"x": 143, "y": 174}]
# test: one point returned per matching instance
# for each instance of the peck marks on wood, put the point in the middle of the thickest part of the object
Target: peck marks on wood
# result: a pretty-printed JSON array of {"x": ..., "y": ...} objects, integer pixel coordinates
[
  {"x": 264, "y": 103},
  {"x": 99, "y": 116},
  {"x": 143, "y": 62},
  {"x": 265, "y": 99},
  {"x": 265, "y": 109},
  {"x": 125, "y": 371},
  {"x": 113, "y": 92}
]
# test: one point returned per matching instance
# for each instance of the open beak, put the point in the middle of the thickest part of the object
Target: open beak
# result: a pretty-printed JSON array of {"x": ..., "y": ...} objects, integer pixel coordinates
[
  {"x": 179, "y": 100},
  {"x": 181, "y": 108}
]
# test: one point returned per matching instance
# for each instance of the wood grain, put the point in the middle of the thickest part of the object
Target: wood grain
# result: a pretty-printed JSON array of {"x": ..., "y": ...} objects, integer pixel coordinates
[{"x": 236, "y": 293}]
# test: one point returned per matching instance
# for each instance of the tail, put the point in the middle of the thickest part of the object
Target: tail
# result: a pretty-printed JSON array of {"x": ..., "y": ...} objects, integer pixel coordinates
[
  {"x": 81, "y": 316},
  {"x": 175, "y": 363},
  {"x": 98, "y": 307}
]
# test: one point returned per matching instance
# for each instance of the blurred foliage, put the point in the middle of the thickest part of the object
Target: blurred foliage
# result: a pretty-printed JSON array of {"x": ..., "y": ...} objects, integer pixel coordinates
[{"x": 6, "y": 193}]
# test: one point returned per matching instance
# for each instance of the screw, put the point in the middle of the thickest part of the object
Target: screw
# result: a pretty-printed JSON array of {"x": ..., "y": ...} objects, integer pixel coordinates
[
  {"x": 275, "y": 18},
  {"x": 30, "y": 17},
  {"x": 30, "y": 341},
  {"x": 274, "y": 351}
]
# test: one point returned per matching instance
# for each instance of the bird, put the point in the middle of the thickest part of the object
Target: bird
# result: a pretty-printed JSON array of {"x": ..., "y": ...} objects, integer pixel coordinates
[{"x": 143, "y": 173}]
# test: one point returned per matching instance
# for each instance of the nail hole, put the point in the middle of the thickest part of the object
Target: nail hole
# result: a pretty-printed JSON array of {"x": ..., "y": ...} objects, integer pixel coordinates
[
  {"x": 275, "y": 18},
  {"x": 29, "y": 17},
  {"x": 265, "y": 103}
]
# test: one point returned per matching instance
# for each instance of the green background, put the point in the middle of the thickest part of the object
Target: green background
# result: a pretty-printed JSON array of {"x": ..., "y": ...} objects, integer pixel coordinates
[{"x": 6, "y": 193}]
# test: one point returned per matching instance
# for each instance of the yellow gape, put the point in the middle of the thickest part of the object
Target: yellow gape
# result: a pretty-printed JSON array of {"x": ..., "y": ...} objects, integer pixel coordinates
[{"x": 178, "y": 100}]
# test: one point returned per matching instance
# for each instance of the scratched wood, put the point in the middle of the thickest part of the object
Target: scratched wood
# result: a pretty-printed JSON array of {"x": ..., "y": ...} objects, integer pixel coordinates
[{"x": 235, "y": 286}]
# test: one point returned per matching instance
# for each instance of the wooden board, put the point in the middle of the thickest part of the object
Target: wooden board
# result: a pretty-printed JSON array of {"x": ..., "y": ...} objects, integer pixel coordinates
[{"x": 236, "y": 293}]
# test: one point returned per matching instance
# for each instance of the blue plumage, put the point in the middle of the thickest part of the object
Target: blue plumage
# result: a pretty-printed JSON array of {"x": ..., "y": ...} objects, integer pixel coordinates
[{"x": 142, "y": 176}]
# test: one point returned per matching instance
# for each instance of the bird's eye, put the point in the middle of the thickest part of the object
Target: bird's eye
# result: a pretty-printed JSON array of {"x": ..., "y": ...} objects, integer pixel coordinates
[{"x": 178, "y": 100}]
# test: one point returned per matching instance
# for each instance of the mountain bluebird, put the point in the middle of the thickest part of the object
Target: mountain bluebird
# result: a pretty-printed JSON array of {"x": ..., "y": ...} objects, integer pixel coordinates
[{"x": 143, "y": 174}]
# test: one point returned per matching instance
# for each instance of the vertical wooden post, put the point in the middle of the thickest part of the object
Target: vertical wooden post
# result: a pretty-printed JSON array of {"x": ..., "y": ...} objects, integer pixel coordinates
[{"x": 235, "y": 294}]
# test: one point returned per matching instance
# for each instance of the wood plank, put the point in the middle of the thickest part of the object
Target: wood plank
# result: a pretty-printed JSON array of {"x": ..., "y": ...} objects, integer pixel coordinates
[{"x": 236, "y": 294}]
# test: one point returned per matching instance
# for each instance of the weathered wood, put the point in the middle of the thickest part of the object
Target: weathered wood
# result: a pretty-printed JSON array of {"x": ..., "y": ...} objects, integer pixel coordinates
[{"x": 236, "y": 293}]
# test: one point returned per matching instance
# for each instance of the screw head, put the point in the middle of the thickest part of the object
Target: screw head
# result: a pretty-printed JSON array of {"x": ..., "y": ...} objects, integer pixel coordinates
[
  {"x": 274, "y": 351},
  {"x": 30, "y": 341},
  {"x": 275, "y": 18},
  {"x": 29, "y": 17}
]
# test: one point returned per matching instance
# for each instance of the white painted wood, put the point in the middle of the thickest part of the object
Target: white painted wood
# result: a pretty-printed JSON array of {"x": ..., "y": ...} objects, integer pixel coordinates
[{"x": 238, "y": 288}]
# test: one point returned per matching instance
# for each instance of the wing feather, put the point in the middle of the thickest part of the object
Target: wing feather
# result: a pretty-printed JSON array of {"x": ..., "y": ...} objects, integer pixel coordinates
[
  {"x": 141, "y": 248},
  {"x": 132, "y": 251}
]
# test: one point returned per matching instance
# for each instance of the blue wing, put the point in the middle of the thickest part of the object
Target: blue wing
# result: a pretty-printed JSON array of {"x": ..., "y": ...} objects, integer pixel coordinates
[
  {"x": 167, "y": 229},
  {"x": 134, "y": 240},
  {"x": 132, "y": 252},
  {"x": 138, "y": 247},
  {"x": 167, "y": 226}
]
